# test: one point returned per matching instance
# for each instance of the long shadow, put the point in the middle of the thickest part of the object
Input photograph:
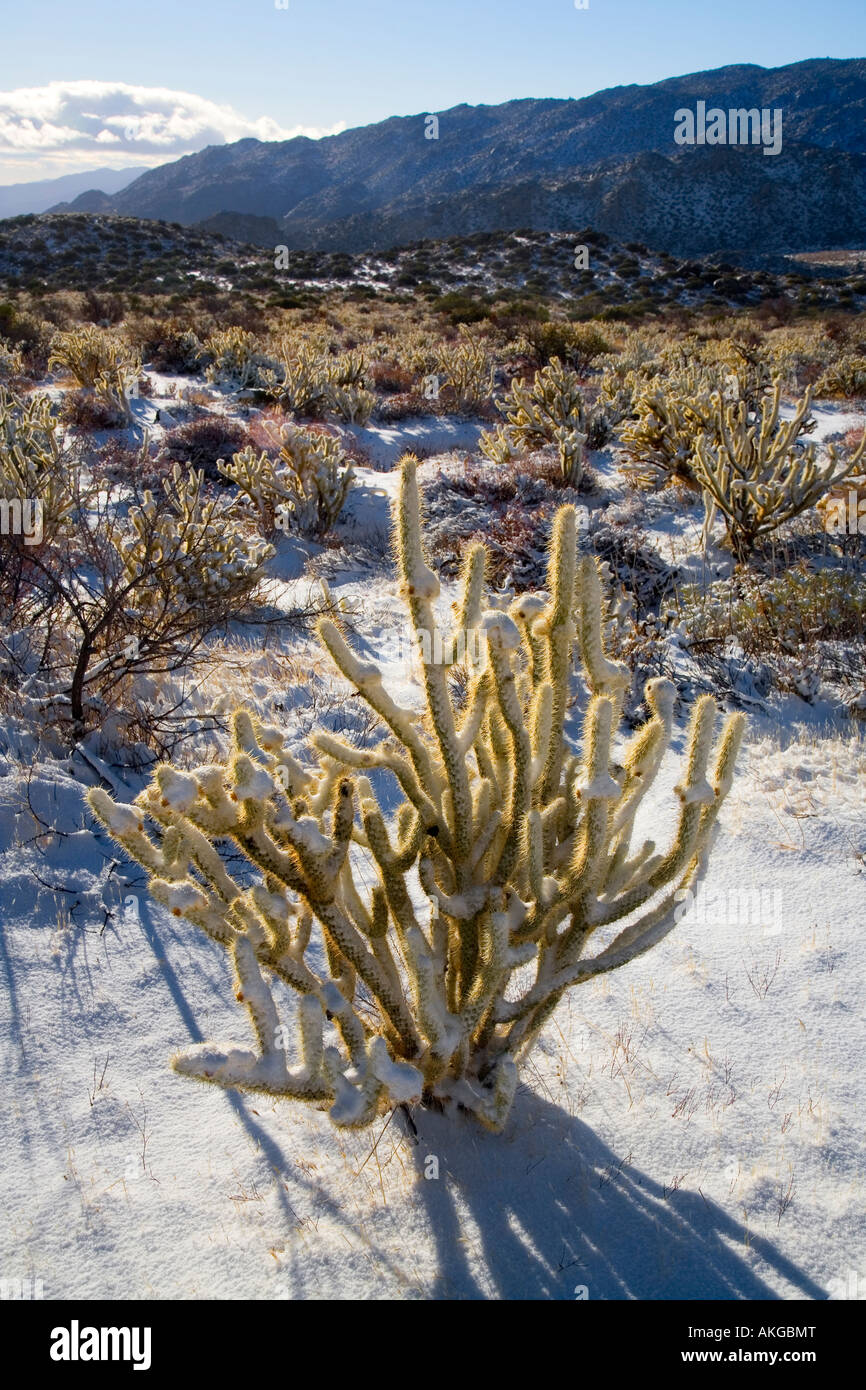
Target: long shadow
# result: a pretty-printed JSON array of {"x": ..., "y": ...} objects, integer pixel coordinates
[
  {"x": 278, "y": 1160},
  {"x": 551, "y": 1210}
]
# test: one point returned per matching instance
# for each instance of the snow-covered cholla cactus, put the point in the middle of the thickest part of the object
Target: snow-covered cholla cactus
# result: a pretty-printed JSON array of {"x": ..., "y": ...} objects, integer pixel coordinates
[
  {"x": 543, "y": 412},
  {"x": 661, "y": 439},
  {"x": 299, "y": 382},
  {"x": 308, "y": 382},
  {"x": 571, "y": 449},
  {"x": 616, "y": 395},
  {"x": 510, "y": 856},
  {"x": 758, "y": 474},
  {"x": 236, "y": 361},
  {"x": 33, "y": 470},
  {"x": 100, "y": 362},
  {"x": 305, "y": 486},
  {"x": 468, "y": 371},
  {"x": 353, "y": 404},
  {"x": 194, "y": 548}
]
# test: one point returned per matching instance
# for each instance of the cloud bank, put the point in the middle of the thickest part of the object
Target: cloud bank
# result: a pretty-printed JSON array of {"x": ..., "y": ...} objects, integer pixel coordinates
[{"x": 67, "y": 126}]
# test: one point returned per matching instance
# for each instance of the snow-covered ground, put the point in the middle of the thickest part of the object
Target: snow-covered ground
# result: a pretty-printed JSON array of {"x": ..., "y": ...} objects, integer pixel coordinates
[{"x": 690, "y": 1126}]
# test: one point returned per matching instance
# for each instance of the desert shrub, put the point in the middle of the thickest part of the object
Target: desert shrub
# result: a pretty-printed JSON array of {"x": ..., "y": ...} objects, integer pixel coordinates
[
  {"x": 803, "y": 624},
  {"x": 391, "y": 378},
  {"x": 169, "y": 346},
  {"x": 633, "y": 561},
  {"x": 26, "y": 334},
  {"x": 511, "y": 849},
  {"x": 784, "y": 612},
  {"x": 121, "y": 591},
  {"x": 578, "y": 345},
  {"x": 202, "y": 443},
  {"x": 87, "y": 412},
  {"x": 462, "y": 307},
  {"x": 132, "y": 468},
  {"x": 406, "y": 406}
]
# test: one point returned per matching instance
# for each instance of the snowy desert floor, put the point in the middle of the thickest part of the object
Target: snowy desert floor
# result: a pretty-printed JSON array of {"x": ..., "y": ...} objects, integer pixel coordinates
[{"x": 688, "y": 1127}]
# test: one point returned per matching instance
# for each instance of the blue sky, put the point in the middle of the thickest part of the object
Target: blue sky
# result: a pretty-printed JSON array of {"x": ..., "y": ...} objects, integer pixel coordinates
[{"x": 228, "y": 68}]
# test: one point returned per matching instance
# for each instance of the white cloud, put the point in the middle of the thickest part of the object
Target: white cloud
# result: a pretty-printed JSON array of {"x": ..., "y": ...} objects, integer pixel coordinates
[{"x": 66, "y": 126}]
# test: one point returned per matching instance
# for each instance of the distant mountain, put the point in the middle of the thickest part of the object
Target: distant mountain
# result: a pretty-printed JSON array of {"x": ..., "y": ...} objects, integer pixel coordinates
[
  {"x": 243, "y": 226},
  {"x": 43, "y": 194},
  {"x": 696, "y": 202},
  {"x": 609, "y": 159},
  {"x": 92, "y": 200}
]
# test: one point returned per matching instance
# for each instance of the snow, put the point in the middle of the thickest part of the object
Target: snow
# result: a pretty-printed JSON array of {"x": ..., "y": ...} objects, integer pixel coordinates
[
  {"x": 688, "y": 1127},
  {"x": 432, "y": 434}
]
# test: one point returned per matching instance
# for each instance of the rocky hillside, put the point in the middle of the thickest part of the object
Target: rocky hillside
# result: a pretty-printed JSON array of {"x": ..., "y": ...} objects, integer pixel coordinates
[
  {"x": 609, "y": 159},
  {"x": 465, "y": 276}
]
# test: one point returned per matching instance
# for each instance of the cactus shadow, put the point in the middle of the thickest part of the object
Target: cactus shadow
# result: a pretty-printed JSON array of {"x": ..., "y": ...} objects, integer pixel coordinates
[{"x": 548, "y": 1209}]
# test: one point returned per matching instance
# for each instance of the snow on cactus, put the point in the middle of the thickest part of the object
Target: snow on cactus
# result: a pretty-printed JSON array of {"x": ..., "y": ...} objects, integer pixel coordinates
[
  {"x": 758, "y": 475},
  {"x": 509, "y": 860},
  {"x": 194, "y": 549},
  {"x": 305, "y": 487},
  {"x": 551, "y": 409}
]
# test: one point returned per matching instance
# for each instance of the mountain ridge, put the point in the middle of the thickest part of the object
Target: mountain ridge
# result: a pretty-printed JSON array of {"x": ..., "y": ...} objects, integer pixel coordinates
[{"x": 373, "y": 186}]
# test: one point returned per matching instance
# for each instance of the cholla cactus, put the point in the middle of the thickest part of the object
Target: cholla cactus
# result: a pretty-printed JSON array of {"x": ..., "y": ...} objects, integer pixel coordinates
[
  {"x": 354, "y": 404},
  {"x": 662, "y": 437},
  {"x": 571, "y": 448},
  {"x": 539, "y": 413},
  {"x": 307, "y": 485},
  {"x": 554, "y": 399},
  {"x": 468, "y": 370},
  {"x": 300, "y": 382},
  {"x": 237, "y": 361},
  {"x": 616, "y": 393},
  {"x": 348, "y": 368},
  {"x": 100, "y": 362},
  {"x": 33, "y": 473},
  {"x": 844, "y": 377},
  {"x": 309, "y": 382},
  {"x": 11, "y": 361},
  {"x": 758, "y": 475},
  {"x": 418, "y": 351},
  {"x": 196, "y": 551},
  {"x": 511, "y": 851},
  {"x": 639, "y": 353}
]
